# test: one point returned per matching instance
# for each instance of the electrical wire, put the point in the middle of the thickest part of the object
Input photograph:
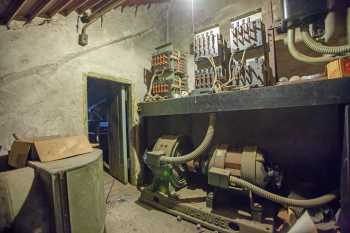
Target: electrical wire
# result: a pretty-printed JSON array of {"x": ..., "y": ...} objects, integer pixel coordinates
[{"x": 242, "y": 63}]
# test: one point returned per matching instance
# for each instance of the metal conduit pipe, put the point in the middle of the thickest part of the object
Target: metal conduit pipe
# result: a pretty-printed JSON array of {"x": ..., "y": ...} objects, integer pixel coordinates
[
  {"x": 83, "y": 39},
  {"x": 302, "y": 57},
  {"x": 321, "y": 48},
  {"x": 200, "y": 149},
  {"x": 306, "y": 203}
]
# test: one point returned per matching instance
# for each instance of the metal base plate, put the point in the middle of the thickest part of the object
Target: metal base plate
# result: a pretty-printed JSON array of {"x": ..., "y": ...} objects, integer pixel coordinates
[{"x": 191, "y": 206}]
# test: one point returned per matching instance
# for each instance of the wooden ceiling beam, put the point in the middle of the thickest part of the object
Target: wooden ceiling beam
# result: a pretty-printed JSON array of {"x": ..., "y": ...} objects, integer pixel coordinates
[
  {"x": 72, "y": 7},
  {"x": 14, "y": 8},
  {"x": 102, "y": 5},
  {"x": 38, "y": 9},
  {"x": 57, "y": 7},
  {"x": 88, "y": 5}
]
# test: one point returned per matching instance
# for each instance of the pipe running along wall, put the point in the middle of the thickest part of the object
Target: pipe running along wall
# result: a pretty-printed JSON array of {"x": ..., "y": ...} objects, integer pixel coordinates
[
  {"x": 306, "y": 203},
  {"x": 203, "y": 146},
  {"x": 302, "y": 57},
  {"x": 321, "y": 48}
]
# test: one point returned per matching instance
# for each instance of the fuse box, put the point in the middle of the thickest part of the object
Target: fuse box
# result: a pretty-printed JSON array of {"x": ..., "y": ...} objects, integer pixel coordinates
[{"x": 168, "y": 75}]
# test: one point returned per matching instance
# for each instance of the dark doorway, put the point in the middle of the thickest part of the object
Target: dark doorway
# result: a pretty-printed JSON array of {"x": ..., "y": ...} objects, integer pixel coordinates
[{"x": 107, "y": 118}]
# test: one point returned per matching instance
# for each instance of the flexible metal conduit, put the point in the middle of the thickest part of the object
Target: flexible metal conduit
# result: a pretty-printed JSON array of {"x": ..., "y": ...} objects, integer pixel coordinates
[
  {"x": 199, "y": 150},
  {"x": 302, "y": 57},
  {"x": 321, "y": 48},
  {"x": 306, "y": 203}
]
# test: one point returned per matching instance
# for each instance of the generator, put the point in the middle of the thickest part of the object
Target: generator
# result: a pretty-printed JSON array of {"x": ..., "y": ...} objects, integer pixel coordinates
[
  {"x": 226, "y": 188},
  {"x": 168, "y": 75}
]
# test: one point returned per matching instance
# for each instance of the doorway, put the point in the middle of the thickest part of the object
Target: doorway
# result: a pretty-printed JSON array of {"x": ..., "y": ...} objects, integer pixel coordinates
[{"x": 107, "y": 120}]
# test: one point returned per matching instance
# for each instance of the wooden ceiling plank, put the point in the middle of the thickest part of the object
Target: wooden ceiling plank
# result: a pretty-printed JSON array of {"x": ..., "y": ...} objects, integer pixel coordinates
[
  {"x": 105, "y": 9},
  {"x": 58, "y": 7},
  {"x": 13, "y": 10},
  {"x": 39, "y": 8},
  {"x": 102, "y": 5},
  {"x": 72, "y": 7},
  {"x": 88, "y": 5}
]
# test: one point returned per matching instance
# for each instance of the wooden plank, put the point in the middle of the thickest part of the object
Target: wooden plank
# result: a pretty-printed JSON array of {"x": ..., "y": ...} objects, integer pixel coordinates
[
  {"x": 19, "y": 153},
  {"x": 13, "y": 10},
  {"x": 39, "y": 8},
  {"x": 101, "y": 5},
  {"x": 88, "y": 5},
  {"x": 52, "y": 149},
  {"x": 117, "y": 138},
  {"x": 72, "y": 7},
  {"x": 57, "y": 7}
]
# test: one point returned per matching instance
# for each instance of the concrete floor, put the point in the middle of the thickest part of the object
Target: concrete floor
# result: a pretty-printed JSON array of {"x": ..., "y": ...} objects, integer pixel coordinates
[{"x": 126, "y": 215}]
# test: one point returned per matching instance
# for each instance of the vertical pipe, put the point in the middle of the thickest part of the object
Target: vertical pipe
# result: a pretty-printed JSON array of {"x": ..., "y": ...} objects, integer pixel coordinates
[{"x": 192, "y": 14}]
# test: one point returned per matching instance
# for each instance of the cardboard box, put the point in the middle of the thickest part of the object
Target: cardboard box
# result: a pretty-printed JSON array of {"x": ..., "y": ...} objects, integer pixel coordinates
[
  {"x": 47, "y": 149},
  {"x": 339, "y": 68}
]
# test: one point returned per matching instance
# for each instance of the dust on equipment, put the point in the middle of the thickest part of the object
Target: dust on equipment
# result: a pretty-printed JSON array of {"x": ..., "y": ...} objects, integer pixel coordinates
[
  {"x": 238, "y": 188},
  {"x": 168, "y": 76},
  {"x": 231, "y": 189}
]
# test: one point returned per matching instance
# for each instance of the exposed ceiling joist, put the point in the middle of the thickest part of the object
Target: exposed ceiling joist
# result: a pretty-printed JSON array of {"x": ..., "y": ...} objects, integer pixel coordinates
[
  {"x": 102, "y": 5},
  {"x": 27, "y": 10},
  {"x": 57, "y": 7},
  {"x": 88, "y": 5},
  {"x": 14, "y": 8},
  {"x": 72, "y": 6},
  {"x": 38, "y": 9}
]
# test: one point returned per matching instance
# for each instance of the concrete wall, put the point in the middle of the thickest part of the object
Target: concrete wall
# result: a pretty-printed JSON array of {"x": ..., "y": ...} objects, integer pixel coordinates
[{"x": 41, "y": 68}]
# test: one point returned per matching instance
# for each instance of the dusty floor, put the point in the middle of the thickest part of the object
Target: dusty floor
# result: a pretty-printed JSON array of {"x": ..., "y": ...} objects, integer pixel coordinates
[{"x": 125, "y": 214}]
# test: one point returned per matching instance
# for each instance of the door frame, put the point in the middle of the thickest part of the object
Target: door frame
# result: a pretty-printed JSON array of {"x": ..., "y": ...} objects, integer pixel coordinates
[{"x": 130, "y": 87}]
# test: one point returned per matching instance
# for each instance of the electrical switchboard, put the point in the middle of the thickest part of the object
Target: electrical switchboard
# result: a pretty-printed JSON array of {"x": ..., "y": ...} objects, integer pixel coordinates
[
  {"x": 246, "y": 33},
  {"x": 209, "y": 50},
  {"x": 167, "y": 77}
]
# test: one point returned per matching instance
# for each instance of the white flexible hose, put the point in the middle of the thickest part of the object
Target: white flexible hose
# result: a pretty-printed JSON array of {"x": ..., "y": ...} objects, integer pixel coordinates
[
  {"x": 302, "y": 57},
  {"x": 203, "y": 146},
  {"x": 321, "y": 48},
  {"x": 306, "y": 203}
]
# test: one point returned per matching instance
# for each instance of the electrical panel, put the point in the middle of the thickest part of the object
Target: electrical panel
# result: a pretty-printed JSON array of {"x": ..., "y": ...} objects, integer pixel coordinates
[
  {"x": 246, "y": 32},
  {"x": 247, "y": 64},
  {"x": 251, "y": 73},
  {"x": 204, "y": 78},
  {"x": 209, "y": 49},
  {"x": 167, "y": 77},
  {"x": 207, "y": 43}
]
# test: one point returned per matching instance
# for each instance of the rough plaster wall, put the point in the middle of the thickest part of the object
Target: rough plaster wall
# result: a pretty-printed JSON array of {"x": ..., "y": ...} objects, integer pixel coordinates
[{"x": 41, "y": 68}]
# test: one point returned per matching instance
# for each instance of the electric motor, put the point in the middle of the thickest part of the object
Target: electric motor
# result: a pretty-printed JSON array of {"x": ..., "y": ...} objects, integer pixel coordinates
[{"x": 247, "y": 163}]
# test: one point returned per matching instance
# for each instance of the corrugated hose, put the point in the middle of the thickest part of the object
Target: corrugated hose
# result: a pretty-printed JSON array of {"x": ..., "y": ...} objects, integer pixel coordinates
[
  {"x": 305, "y": 203},
  {"x": 199, "y": 150}
]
